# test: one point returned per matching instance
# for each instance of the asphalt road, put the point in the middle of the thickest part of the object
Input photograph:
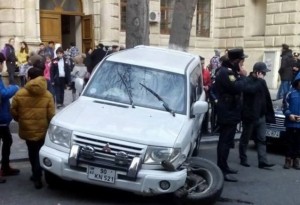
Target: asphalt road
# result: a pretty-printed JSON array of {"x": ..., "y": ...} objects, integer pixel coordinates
[
  {"x": 275, "y": 186},
  {"x": 256, "y": 186}
]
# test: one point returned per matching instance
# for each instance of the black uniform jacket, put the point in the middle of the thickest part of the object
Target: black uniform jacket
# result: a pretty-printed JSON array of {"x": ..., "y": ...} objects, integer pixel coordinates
[{"x": 229, "y": 85}]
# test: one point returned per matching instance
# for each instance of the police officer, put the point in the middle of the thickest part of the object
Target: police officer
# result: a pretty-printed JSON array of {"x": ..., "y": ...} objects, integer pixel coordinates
[{"x": 230, "y": 81}]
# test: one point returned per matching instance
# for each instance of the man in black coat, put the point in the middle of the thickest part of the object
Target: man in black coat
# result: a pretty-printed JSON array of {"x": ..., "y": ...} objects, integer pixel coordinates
[
  {"x": 97, "y": 55},
  {"x": 229, "y": 85},
  {"x": 257, "y": 110},
  {"x": 285, "y": 71}
]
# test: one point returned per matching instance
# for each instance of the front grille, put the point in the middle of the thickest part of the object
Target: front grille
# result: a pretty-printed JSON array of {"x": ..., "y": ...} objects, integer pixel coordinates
[
  {"x": 100, "y": 145},
  {"x": 279, "y": 125}
]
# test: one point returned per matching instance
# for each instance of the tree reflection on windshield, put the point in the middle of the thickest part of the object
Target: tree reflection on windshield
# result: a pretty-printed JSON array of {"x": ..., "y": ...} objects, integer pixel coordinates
[{"x": 115, "y": 81}]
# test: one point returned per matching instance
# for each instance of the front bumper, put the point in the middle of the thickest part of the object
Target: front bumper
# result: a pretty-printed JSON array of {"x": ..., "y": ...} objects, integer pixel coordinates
[{"x": 146, "y": 182}]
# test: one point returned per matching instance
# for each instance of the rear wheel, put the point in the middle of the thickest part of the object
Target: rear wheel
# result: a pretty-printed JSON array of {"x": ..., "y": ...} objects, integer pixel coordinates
[{"x": 204, "y": 183}]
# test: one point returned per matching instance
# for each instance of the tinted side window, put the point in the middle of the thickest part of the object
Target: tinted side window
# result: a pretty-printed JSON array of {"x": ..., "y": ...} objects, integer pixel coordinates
[{"x": 196, "y": 83}]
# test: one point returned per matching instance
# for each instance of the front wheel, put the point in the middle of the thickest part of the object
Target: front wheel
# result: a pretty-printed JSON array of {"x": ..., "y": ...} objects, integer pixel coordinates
[{"x": 204, "y": 183}]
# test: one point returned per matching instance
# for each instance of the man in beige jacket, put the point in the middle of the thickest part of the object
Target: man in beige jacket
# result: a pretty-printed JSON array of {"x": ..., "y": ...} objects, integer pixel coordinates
[{"x": 33, "y": 108}]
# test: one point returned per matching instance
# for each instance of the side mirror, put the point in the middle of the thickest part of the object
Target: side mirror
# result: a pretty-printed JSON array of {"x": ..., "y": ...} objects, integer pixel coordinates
[
  {"x": 79, "y": 83},
  {"x": 199, "y": 107}
]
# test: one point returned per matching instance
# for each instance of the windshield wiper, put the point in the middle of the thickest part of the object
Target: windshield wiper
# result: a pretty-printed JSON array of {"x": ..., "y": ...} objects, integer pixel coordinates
[
  {"x": 127, "y": 90},
  {"x": 166, "y": 106}
]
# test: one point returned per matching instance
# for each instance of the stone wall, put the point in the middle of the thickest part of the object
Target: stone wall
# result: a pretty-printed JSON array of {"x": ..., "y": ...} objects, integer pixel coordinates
[{"x": 282, "y": 23}]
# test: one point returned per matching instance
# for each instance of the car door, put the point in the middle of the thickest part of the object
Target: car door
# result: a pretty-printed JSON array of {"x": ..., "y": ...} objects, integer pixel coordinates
[{"x": 196, "y": 93}]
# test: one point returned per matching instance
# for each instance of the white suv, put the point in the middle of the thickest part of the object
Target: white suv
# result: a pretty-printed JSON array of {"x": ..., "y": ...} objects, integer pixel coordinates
[{"x": 135, "y": 127}]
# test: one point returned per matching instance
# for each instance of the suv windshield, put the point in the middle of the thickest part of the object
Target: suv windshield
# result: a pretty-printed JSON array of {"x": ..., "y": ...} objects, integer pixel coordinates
[{"x": 123, "y": 83}]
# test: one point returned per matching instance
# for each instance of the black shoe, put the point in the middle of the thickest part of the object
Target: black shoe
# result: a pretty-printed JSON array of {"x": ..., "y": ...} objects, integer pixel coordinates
[
  {"x": 230, "y": 171},
  {"x": 38, "y": 184},
  {"x": 2, "y": 180},
  {"x": 9, "y": 171},
  {"x": 264, "y": 165},
  {"x": 229, "y": 178},
  {"x": 245, "y": 164}
]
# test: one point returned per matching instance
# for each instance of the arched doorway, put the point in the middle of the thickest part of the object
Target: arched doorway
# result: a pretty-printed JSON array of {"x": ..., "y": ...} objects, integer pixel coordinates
[{"x": 63, "y": 21}]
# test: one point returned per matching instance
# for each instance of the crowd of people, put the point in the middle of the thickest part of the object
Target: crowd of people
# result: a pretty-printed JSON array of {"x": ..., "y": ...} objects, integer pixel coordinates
[
  {"x": 235, "y": 97},
  {"x": 240, "y": 98},
  {"x": 43, "y": 77}
]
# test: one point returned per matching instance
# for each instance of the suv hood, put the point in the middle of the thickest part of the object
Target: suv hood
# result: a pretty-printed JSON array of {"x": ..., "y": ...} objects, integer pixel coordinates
[{"x": 116, "y": 121}]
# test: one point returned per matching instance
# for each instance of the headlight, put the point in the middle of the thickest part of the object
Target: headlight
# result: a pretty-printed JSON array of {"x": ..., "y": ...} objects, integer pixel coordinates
[
  {"x": 155, "y": 155},
  {"x": 60, "y": 136}
]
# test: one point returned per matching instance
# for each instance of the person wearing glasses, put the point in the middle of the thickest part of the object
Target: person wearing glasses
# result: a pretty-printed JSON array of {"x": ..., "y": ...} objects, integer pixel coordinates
[{"x": 257, "y": 110}]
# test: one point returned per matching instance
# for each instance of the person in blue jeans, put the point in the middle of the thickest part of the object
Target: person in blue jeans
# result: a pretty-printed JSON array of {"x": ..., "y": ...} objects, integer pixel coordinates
[
  {"x": 5, "y": 118},
  {"x": 285, "y": 71},
  {"x": 291, "y": 110}
]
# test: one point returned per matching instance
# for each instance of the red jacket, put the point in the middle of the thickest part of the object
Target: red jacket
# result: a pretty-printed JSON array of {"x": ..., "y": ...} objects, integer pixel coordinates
[{"x": 206, "y": 77}]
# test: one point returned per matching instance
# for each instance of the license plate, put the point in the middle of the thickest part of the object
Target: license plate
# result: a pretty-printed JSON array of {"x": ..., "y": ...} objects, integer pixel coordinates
[
  {"x": 101, "y": 174},
  {"x": 272, "y": 133}
]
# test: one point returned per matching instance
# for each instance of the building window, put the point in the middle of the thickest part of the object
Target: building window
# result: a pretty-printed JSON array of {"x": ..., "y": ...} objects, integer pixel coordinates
[
  {"x": 123, "y": 14},
  {"x": 64, "y": 5},
  {"x": 203, "y": 18},
  {"x": 166, "y": 10}
]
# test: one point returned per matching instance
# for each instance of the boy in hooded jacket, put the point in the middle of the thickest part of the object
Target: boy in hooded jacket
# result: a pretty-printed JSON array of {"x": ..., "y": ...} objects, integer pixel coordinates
[
  {"x": 291, "y": 110},
  {"x": 33, "y": 108},
  {"x": 5, "y": 118}
]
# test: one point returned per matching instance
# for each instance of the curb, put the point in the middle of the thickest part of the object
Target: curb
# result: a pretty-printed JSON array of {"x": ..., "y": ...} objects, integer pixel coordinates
[{"x": 19, "y": 160}]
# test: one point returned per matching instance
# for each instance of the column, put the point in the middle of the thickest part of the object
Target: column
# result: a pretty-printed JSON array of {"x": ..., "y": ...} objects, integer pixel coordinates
[{"x": 31, "y": 35}]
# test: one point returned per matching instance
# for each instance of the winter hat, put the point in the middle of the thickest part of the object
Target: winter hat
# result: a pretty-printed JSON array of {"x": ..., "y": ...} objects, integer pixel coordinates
[
  {"x": 236, "y": 53},
  {"x": 260, "y": 67}
]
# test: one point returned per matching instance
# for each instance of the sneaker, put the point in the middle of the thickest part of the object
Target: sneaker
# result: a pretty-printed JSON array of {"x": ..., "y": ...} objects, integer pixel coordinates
[{"x": 10, "y": 171}]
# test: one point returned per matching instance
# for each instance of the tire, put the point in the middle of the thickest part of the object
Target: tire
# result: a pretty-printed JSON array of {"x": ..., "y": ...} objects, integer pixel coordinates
[
  {"x": 52, "y": 180},
  {"x": 209, "y": 183}
]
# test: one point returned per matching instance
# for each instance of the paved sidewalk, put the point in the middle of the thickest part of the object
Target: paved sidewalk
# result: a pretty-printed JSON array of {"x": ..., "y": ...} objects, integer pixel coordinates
[{"x": 19, "y": 148}]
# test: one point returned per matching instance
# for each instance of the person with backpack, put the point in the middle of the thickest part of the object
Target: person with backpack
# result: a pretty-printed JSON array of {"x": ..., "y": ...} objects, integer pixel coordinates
[
  {"x": 11, "y": 59},
  {"x": 215, "y": 62},
  {"x": 5, "y": 118}
]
